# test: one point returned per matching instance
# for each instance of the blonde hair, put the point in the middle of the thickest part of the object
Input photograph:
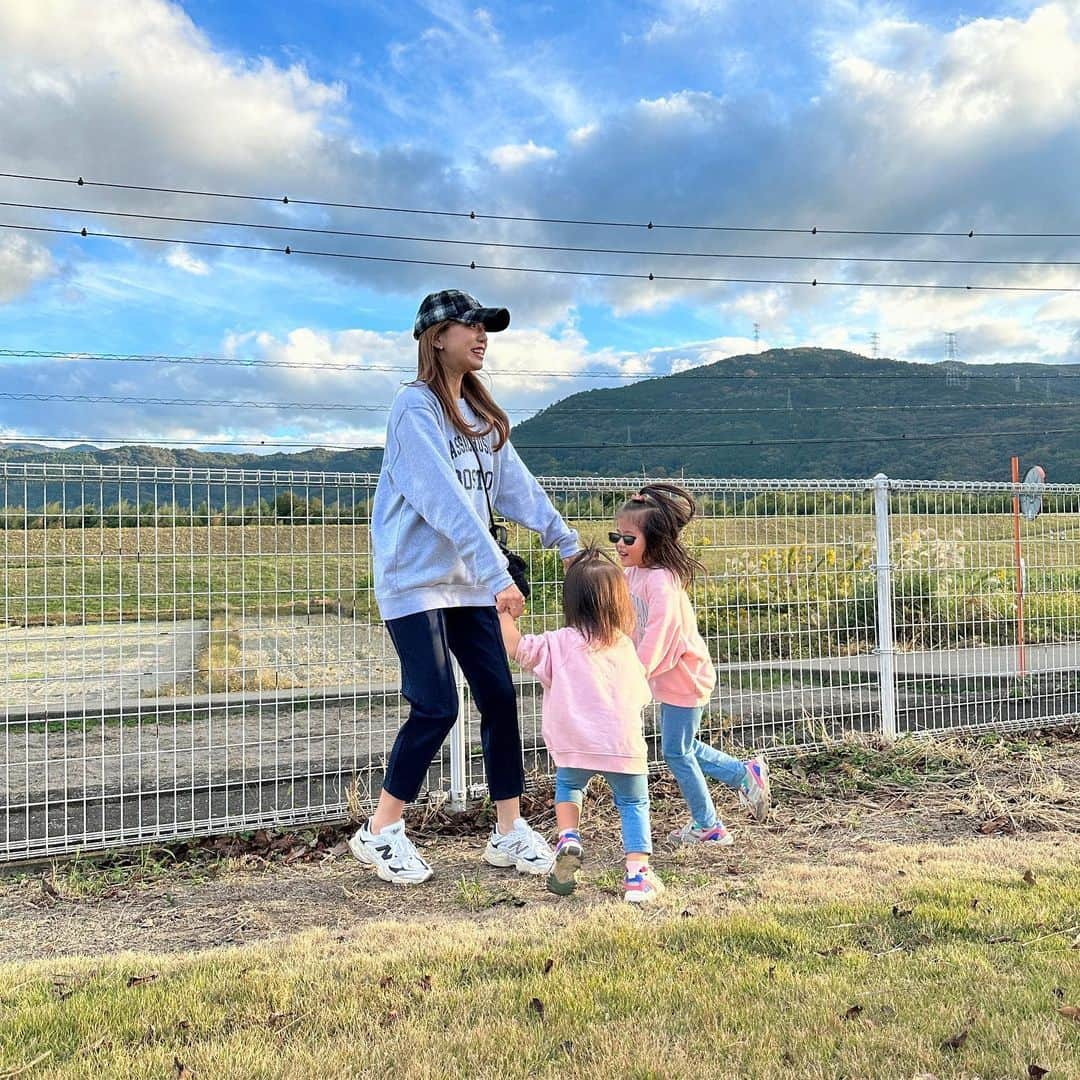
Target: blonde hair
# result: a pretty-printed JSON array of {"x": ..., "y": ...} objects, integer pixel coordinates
[{"x": 431, "y": 372}]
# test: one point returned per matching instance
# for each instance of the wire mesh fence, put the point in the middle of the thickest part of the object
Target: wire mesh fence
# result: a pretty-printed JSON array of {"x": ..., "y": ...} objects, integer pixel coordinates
[{"x": 194, "y": 651}]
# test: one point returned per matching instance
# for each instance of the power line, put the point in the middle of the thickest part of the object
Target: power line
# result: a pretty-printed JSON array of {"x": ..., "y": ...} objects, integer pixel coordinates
[
  {"x": 913, "y": 437},
  {"x": 570, "y": 249},
  {"x": 473, "y": 215},
  {"x": 322, "y": 406},
  {"x": 140, "y": 441},
  {"x": 925, "y": 371},
  {"x": 473, "y": 265}
]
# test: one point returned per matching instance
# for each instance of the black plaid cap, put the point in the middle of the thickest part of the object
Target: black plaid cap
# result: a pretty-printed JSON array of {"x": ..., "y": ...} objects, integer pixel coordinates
[{"x": 461, "y": 307}]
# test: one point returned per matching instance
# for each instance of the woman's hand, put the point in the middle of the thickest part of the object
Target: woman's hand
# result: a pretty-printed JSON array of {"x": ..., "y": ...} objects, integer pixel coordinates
[{"x": 511, "y": 601}]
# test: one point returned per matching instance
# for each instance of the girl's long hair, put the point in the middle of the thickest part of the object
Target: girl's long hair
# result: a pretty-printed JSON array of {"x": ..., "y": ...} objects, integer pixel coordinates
[
  {"x": 596, "y": 598},
  {"x": 662, "y": 511},
  {"x": 430, "y": 370}
]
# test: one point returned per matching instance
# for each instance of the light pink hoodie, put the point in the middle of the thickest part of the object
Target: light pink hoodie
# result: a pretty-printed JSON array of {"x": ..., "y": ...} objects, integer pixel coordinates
[
  {"x": 668, "y": 641},
  {"x": 593, "y": 699}
]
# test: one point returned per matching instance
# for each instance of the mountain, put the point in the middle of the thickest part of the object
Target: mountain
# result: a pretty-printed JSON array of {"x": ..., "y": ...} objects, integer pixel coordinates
[
  {"x": 769, "y": 414},
  {"x": 794, "y": 401}
]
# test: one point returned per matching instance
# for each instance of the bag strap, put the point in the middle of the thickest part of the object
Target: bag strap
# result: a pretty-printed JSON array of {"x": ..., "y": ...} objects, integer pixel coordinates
[{"x": 483, "y": 484}]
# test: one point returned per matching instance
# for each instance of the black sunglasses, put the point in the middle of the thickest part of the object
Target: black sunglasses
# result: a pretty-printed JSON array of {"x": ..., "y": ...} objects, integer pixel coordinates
[{"x": 615, "y": 537}]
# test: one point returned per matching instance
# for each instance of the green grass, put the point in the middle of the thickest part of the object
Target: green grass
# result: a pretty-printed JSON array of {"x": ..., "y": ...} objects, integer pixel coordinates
[{"x": 832, "y": 985}]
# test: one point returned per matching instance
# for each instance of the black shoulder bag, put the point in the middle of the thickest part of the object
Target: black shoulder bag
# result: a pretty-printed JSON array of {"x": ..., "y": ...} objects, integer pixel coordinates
[{"x": 517, "y": 566}]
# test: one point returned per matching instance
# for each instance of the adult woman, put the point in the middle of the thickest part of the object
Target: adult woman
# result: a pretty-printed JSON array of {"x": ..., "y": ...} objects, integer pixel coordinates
[{"x": 441, "y": 579}]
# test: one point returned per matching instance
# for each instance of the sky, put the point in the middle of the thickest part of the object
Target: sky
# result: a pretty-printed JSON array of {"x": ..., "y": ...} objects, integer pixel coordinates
[{"x": 841, "y": 115}]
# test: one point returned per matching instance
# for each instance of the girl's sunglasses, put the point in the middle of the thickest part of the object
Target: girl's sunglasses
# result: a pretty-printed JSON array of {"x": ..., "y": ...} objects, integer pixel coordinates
[{"x": 615, "y": 537}]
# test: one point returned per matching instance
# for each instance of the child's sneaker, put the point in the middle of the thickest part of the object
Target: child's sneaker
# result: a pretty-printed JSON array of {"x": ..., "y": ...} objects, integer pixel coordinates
[
  {"x": 522, "y": 847},
  {"x": 392, "y": 854},
  {"x": 642, "y": 887},
  {"x": 716, "y": 835},
  {"x": 754, "y": 792},
  {"x": 568, "y": 857}
]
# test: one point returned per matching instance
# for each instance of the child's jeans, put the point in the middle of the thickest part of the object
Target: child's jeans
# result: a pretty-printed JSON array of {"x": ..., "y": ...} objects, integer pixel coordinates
[
  {"x": 631, "y": 794},
  {"x": 691, "y": 760}
]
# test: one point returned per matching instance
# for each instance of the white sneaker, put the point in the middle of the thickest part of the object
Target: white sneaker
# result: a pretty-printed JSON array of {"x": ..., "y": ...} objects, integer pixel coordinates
[
  {"x": 392, "y": 854},
  {"x": 522, "y": 847}
]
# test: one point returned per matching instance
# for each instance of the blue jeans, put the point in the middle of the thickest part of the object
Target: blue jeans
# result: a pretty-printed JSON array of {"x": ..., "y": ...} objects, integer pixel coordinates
[
  {"x": 631, "y": 794},
  {"x": 691, "y": 760}
]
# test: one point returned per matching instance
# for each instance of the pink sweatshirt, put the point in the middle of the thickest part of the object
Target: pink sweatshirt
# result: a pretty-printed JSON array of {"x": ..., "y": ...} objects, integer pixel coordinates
[
  {"x": 593, "y": 699},
  {"x": 668, "y": 641}
]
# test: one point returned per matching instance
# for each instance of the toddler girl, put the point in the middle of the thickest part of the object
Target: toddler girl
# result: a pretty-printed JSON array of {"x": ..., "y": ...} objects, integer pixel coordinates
[
  {"x": 659, "y": 569},
  {"x": 594, "y": 691}
]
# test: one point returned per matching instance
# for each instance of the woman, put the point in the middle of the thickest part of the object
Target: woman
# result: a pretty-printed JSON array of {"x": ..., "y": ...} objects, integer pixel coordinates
[{"x": 441, "y": 579}]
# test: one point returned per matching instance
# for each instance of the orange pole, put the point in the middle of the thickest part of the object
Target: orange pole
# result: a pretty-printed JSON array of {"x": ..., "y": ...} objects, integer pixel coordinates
[{"x": 1020, "y": 657}]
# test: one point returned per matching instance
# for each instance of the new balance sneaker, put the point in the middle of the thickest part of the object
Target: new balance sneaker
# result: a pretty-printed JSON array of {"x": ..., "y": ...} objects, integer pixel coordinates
[
  {"x": 521, "y": 847},
  {"x": 392, "y": 854},
  {"x": 568, "y": 856},
  {"x": 716, "y": 835},
  {"x": 642, "y": 887},
  {"x": 754, "y": 792}
]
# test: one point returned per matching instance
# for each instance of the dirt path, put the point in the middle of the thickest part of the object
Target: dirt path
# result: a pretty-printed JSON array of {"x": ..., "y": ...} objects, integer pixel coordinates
[{"x": 867, "y": 817}]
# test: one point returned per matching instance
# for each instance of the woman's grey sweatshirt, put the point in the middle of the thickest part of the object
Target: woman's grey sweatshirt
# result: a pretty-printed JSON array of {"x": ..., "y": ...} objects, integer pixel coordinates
[{"x": 429, "y": 521}]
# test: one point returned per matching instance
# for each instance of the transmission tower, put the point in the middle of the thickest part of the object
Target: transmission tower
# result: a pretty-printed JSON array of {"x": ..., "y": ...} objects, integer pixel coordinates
[
  {"x": 874, "y": 339},
  {"x": 757, "y": 333}
]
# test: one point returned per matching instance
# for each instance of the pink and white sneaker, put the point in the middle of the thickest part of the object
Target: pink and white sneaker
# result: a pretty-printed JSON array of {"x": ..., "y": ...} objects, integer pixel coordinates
[
  {"x": 642, "y": 887},
  {"x": 754, "y": 791},
  {"x": 716, "y": 835}
]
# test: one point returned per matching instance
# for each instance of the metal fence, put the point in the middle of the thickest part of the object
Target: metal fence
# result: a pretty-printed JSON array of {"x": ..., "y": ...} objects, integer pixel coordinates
[{"x": 195, "y": 651}]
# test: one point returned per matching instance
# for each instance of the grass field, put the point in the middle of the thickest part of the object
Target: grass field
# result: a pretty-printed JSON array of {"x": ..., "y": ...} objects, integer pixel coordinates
[
  {"x": 792, "y": 586},
  {"x": 961, "y": 969},
  {"x": 909, "y": 911}
]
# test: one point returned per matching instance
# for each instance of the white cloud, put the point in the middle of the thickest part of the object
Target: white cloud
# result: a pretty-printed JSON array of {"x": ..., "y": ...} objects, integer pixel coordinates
[
  {"x": 583, "y": 133},
  {"x": 23, "y": 262},
  {"x": 514, "y": 155},
  {"x": 181, "y": 258}
]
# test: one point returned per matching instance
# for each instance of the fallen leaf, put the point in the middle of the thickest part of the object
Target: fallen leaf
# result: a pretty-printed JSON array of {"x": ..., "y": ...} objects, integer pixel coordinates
[
  {"x": 954, "y": 1042},
  {"x": 836, "y": 950},
  {"x": 974, "y": 905},
  {"x": 853, "y": 1013},
  {"x": 1029, "y": 878},
  {"x": 425, "y": 982},
  {"x": 1070, "y": 1012},
  {"x": 49, "y": 889},
  {"x": 1036, "y": 1072},
  {"x": 995, "y": 825},
  {"x": 138, "y": 980},
  {"x": 386, "y": 981},
  {"x": 339, "y": 849},
  {"x": 899, "y": 912},
  {"x": 771, "y": 973},
  {"x": 537, "y": 1007},
  {"x": 390, "y": 1018},
  {"x": 181, "y": 1071},
  {"x": 549, "y": 963}
]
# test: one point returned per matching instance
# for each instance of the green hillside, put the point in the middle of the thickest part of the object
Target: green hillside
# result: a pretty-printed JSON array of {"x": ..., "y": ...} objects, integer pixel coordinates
[
  {"x": 811, "y": 403},
  {"x": 789, "y": 398}
]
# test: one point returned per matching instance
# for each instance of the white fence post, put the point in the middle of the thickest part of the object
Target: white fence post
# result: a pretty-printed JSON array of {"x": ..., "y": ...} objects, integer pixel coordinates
[
  {"x": 458, "y": 748},
  {"x": 885, "y": 643}
]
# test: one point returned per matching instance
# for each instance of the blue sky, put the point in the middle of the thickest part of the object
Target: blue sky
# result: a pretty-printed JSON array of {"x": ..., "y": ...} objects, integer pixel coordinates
[{"x": 843, "y": 114}]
